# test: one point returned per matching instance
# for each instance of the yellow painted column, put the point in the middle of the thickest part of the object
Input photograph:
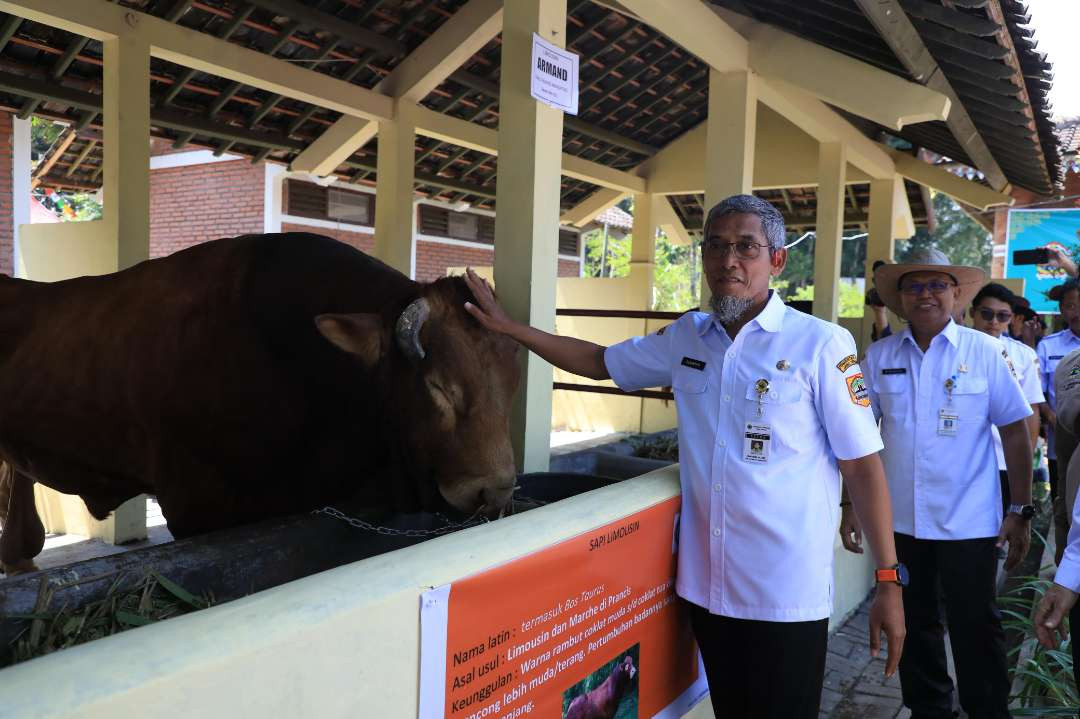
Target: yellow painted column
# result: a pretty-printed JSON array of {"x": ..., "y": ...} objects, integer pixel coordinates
[
  {"x": 126, "y": 147},
  {"x": 395, "y": 212},
  {"x": 121, "y": 240},
  {"x": 881, "y": 237},
  {"x": 527, "y": 225},
  {"x": 730, "y": 132},
  {"x": 832, "y": 165},
  {"x": 643, "y": 250}
]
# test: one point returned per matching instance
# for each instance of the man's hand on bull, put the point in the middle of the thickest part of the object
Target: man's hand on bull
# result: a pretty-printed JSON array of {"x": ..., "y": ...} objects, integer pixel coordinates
[
  {"x": 486, "y": 310},
  {"x": 568, "y": 353}
]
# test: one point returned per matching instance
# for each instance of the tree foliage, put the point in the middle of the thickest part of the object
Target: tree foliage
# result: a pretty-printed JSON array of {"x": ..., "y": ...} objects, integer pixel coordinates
[{"x": 69, "y": 206}]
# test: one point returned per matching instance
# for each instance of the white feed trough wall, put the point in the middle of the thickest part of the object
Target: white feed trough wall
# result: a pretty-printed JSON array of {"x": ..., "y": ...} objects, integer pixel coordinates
[{"x": 343, "y": 643}]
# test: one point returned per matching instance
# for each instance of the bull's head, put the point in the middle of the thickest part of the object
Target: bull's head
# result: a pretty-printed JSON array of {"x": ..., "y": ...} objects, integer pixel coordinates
[{"x": 451, "y": 383}]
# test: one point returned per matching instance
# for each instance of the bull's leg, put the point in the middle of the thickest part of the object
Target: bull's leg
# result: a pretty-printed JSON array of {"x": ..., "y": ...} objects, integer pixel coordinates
[{"x": 23, "y": 534}]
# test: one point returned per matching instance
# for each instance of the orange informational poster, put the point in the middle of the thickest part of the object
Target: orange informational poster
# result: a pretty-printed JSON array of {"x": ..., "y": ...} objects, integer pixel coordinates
[{"x": 589, "y": 627}]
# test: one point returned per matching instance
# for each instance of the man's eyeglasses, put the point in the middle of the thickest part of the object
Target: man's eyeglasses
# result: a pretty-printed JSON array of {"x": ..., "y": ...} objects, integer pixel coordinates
[
  {"x": 988, "y": 315},
  {"x": 743, "y": 249},
  {"x": 916, "y": 288}
]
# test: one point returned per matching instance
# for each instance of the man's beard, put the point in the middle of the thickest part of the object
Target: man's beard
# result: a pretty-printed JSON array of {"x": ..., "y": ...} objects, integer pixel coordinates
[{"x": 727, "y": 309}]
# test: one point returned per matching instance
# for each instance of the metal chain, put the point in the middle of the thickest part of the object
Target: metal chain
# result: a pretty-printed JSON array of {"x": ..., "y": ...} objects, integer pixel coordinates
[{"x": 390, "y": 532}]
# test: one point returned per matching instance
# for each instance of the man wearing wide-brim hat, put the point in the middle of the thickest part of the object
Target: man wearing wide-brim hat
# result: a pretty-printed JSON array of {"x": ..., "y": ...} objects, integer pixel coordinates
[{"x": 937, "y": 388}]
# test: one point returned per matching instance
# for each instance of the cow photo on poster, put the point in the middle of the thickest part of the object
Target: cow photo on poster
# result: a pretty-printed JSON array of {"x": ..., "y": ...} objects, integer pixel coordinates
[{"x": 609, "y": 692}]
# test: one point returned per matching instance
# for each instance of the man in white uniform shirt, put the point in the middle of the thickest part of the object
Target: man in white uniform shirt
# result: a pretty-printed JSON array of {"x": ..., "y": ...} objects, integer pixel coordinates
[
  {"x": 1060, "y": 598},
  {"x": 771, "y": 403},
  {"x": 938, "y": 388},
  {"x": 991, "y": 312},
  {"x": 1051, "y": 351}
]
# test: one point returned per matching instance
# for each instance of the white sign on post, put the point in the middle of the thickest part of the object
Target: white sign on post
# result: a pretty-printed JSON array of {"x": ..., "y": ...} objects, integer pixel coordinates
[{"x": 554, "y": 76}]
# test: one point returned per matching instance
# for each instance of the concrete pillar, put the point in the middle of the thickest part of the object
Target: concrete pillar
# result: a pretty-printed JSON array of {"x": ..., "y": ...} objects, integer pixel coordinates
[
  {"x": 394, "y": 211},
  {"x": 126, "y": 170},
  {"x": 832, "y": 164},
  {"x": 881, "y": 237},
  {"x": 527, "y": 223},
  {"x": 729, "y": 140},
  {"x": 643, "y": 250},
  {"x": 20, "y": 184}
]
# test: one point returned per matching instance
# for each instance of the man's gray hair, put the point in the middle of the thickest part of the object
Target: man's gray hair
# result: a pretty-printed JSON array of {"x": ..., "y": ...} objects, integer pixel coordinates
[{"x": 772, "y": 222}]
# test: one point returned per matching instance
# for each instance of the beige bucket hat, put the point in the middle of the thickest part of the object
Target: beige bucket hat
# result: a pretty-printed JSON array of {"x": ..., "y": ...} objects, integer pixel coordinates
[{"x": 887, "y": 278}]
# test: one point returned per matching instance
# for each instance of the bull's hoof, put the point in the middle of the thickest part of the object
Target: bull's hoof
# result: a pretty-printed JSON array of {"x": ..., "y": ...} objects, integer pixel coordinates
[{"x": 22, "y": 566}]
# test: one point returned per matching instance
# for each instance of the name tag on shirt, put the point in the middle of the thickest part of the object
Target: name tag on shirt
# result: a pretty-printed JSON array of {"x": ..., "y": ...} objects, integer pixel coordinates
[
  {"x": 693, "y": 363},
  {"x": 1054, "y": 357},
  {"x": 894, "y": 370},
  {"x": 948, "y": 421},
  {"x": 756, "y": 443}
]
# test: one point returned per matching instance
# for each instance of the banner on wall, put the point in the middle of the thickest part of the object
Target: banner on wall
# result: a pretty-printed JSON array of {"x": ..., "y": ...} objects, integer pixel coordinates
[
  {"x": 1031, "y": 229},
  {"x": 590, "y": 621}
]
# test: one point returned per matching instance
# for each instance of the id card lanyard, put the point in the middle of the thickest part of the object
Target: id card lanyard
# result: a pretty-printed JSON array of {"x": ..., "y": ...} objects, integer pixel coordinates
[{"x": 948, "y": 419}]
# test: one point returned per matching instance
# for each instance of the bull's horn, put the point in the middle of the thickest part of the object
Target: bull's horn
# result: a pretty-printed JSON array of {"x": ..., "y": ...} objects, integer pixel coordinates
[{"x": 408, "y": 328}]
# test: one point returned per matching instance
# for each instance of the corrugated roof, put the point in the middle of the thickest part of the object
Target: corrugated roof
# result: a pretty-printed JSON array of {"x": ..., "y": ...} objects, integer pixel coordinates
[{"x": 638, "y": 92}]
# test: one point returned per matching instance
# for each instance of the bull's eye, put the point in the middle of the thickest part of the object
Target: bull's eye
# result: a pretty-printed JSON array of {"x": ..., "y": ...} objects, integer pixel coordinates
[{"x": 443, "y": 396}]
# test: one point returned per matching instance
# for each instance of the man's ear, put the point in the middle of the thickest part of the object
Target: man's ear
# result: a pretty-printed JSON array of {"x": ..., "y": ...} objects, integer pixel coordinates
[
  {"x": 778, "y": 260},
  {"x": 358, "y": 334}
]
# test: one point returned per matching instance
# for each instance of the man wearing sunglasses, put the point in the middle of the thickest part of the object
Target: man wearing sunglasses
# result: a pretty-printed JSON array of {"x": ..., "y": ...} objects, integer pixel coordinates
[
  {"x": 938, "y": 388},
  {"x": 992, "y": 311},
  {"x": 771, "y": 404}
]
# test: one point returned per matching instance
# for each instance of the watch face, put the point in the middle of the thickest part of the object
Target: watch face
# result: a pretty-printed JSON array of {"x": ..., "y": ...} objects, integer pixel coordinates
[{"x": 902, "y": 574}]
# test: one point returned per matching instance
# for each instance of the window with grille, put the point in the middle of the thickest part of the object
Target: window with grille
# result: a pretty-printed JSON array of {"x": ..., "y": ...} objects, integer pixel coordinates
[
  {"x": 568, "y": 243},
  {"x": 306, "y": 199}
]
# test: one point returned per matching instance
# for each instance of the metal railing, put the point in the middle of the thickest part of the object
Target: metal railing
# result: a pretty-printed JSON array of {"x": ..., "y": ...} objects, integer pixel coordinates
[{"x": 663, "y": 394}]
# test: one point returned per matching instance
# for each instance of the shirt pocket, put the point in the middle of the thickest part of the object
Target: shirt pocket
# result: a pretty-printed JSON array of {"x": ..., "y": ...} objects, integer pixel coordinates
[
  {"x": 687, "y": 380},
  {"x": 786, "y": 409},
  {"x": 892, "y": 389},
  {"x": 971, "y": 399}
]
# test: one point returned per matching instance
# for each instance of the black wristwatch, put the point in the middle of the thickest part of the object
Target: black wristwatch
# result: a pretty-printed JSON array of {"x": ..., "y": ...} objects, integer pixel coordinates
[
  {"x": 1026, "y": 511},
  {"x": 896, "y": 574}
]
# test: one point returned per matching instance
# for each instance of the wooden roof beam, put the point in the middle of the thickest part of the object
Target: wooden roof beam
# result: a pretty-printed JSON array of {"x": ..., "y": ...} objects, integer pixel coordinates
[
  {"x": 894, "y": 26},
  {"x": 101, "y": 20},
  {"x": 459, "y": 38},
  {"x": 964, "y": 191},
  {"x": 835, "y": 78}
]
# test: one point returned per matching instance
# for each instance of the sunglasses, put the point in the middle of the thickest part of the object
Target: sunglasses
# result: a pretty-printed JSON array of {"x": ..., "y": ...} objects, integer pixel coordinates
[
  {"x": 1003, "y": 316},
  {"x": 916, "y": 288}
]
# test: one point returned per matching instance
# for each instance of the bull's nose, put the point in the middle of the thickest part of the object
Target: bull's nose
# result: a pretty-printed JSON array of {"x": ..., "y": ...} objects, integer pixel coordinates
[{"x": 495, "y": 500}]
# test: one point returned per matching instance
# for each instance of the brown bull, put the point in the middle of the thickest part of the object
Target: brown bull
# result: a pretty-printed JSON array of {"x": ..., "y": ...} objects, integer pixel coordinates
[{"x": 247, "y": 378}]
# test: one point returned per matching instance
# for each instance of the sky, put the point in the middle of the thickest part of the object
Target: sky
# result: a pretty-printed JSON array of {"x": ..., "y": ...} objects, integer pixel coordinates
[{"x": 1057, "y": 32}]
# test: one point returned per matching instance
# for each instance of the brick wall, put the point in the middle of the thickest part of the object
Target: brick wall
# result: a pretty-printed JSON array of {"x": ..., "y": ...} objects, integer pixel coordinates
[
  {"x": 432, "y": 259},
  {"x": 193, "y": 204},
  {"x": 569, "y": 268},
  {"x": 7, "y": 189},
  {"x": 360, "y": 240}
]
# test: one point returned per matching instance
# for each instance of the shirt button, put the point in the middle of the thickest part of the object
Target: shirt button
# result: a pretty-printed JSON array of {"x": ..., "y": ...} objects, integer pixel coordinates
[
  {"x": 723, "y": 443},
  {"x": 716, "y": 486},
  {"x": 716, "y": 531},
  {"x": 727, "y": 397}
]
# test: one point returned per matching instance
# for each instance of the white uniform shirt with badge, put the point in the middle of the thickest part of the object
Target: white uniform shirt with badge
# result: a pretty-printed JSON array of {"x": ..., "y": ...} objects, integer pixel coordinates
[
  {"x": 1051, "y": 350},
  {"x": 936, "y": 410},
  {"x": 1025, "y": 366},
  {"x": 762, "y": 421},
  {"x": 1067, "y": 392}
]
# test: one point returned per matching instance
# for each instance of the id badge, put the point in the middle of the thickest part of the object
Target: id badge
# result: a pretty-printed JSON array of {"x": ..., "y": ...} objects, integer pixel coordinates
[
  {"x": 948, "y": 421},
  {"x": 756, "y": 443}
]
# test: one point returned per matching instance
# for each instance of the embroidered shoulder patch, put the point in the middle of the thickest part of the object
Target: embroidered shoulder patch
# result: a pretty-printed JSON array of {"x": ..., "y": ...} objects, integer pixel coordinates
[
  {"x": 856, "y": 387},
  {"x": 1008, "y": 361},
  {"x": 1074, "y": 371},
  {"x": 847, "y": 363}
]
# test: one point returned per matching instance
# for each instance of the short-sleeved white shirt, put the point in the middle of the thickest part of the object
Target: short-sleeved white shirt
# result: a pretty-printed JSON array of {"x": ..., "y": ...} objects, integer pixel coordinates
[
  {"x": 756, "y": 538},
  {"x": 1051, "y": 350},
  {"x": 1025, "y": 366},
  {"x": 943, "y": 486}
]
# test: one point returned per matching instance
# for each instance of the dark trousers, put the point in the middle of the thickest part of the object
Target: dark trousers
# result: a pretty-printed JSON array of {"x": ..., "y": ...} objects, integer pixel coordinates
[
  {"x": 1006, "y": 493},
  {"x": 963, "y": 574},
  {"x": 765, "y": 670},
  {"x": 1052, "y": 465}
]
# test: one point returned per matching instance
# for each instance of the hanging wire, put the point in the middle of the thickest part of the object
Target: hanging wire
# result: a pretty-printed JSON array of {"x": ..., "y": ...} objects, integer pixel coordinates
[{"x": 811, "y": 232}]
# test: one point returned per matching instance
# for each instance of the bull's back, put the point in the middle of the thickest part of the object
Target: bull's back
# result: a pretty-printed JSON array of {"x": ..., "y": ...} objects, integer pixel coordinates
[{"x": 197, "y": 360}]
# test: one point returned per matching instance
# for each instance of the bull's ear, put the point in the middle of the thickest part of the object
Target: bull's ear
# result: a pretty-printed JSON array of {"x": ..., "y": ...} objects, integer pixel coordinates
[{"x": 358, "y": 334}]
